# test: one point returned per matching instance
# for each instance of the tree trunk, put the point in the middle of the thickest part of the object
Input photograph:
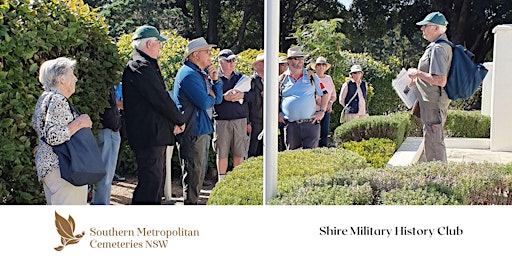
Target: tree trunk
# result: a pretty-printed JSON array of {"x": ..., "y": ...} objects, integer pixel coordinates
[
  {"x": 198, "y": 20},
  {"x": 213, "y": 7},
  {"x": 249, "y": 10}
]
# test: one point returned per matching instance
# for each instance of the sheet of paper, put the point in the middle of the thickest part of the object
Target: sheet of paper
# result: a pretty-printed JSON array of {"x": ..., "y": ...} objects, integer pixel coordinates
[
  {"x": 401, "y": 86},
  {"x": 243, "y": 85}
]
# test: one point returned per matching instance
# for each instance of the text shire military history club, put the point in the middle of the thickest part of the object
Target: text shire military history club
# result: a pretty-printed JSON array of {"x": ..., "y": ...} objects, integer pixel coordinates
[{"x": 388, "y": 232}]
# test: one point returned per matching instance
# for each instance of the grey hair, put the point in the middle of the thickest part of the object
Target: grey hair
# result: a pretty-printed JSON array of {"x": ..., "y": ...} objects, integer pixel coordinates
[
  {"x": 52, "y": 70},
  {"x": 442, "y": 28},
  {"x": 140, "y": 43}
]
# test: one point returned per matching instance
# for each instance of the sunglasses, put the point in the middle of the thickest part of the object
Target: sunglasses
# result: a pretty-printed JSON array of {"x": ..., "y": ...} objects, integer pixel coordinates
[
  {"x": 296, "y": 58},
  {"x": 321, "y": 64},
  {"x": 283, "y": 64},
  {"x": 230, "y": 61},
  {"x": 358, "y": 72}
]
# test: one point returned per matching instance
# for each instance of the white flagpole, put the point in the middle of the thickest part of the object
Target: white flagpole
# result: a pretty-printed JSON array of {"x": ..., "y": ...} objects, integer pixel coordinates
[{"x": 270, "y": 101}]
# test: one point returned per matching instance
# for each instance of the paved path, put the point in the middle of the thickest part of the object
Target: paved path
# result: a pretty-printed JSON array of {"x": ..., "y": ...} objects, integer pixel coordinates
[{"x": 122, "y": 193}]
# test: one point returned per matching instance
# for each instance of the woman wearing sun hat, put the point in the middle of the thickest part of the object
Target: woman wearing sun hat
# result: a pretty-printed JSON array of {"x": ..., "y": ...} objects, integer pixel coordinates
[
  {"x": 321, "y": 66},
  {"x": 353, "y": 95}
]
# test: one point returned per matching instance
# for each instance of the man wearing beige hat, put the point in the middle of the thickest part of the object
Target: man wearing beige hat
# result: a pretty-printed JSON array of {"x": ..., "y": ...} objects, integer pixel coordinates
[
  {"x": 150, "y": 114},
  {"x": 321, "y": 66},
  {"x": 298, "y": 91},
  {"x": 353, "y": 95},
  {"x": 255, "y": 103},
  {"x": 429, "y": 79},
  {"x": 194, "y": 97}
]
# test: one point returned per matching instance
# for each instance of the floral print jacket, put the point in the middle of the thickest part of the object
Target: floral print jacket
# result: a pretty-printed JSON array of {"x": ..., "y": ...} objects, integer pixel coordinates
[{"x": 50, "y": 120}]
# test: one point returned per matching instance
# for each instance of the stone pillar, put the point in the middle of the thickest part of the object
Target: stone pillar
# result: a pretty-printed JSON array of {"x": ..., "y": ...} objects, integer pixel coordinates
[
  {"x": 487, "y": 91},
  {"x": 501, "y": 135}
]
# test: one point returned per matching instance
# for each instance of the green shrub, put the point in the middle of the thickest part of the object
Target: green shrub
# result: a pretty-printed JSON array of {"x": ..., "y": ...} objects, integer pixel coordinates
[
  {"x": 467, "y": 124},
  {"x": 376, "y": 151},
  {"x": 433, "y": 183},
  {"x": 422, "y": 196},
  {"x": 394, "y": 127},
  {"x": 244, "y": 185},
  {"x": 327, "y": 194},
  {"x": 33, "y": 32}
]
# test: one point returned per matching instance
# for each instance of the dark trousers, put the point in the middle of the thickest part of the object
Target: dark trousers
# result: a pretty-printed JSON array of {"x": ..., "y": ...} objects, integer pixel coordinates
[
  {"x": 324, "y": 129},
  {"x": 151, "y": 175},
  {"x": 193, "y": 161},
  {"x": 255, "y": 145},
  {"x": 305, "y": 135}
]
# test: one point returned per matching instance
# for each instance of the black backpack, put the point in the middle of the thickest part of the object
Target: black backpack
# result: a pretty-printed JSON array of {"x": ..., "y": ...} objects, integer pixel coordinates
[{"x": 464, "y": 76}]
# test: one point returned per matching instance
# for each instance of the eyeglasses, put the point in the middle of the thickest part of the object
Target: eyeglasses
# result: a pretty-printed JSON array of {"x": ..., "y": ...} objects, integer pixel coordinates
[
  {"x": 209, "y": 52},
  {"x": 358, "y": 72},
  {"x": 428, "y": 25},
  {"x": 296, "y": 58}
]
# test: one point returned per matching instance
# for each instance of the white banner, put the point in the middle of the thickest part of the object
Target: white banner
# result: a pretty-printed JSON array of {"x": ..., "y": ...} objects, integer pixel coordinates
[{"x": 255, "y": 230}]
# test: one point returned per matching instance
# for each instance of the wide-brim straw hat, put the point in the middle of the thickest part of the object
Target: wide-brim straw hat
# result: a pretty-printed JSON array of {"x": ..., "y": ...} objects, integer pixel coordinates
[
  {"x": 321, "y": 60},
  {"x": 283, "y": 60},
  {"x": 196, "y": 45},
  {"x": 296, "y": 51}
]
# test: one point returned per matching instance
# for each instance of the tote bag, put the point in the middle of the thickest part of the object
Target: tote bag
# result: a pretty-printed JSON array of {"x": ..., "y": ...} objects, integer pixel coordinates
[{"x": 80, "y": 159}]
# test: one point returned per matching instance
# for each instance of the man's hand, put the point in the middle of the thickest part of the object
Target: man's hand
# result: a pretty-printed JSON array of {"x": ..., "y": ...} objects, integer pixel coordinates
[
  {"x": 319, "y": 115},
  {"x": 213, "y": 73},
  {"x": 233, "y": 95},
  {"x": 179, "y": 129}
]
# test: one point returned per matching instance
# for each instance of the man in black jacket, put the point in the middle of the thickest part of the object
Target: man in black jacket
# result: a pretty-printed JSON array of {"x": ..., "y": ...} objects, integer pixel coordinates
[
  {"x": 255, "y": 104},
  {"x": 151, "y": 115}
]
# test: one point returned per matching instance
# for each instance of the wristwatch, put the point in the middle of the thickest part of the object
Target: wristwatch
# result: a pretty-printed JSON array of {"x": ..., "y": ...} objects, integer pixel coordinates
[{"x": 321, "y": 110}]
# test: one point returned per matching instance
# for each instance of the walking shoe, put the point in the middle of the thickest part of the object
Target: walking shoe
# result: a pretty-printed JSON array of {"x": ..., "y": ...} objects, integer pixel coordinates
[{"x": 118, "y": 177}]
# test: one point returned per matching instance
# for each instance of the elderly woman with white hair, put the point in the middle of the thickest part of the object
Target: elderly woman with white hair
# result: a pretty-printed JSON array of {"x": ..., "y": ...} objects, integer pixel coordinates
[{"x": 54, "y": 121}]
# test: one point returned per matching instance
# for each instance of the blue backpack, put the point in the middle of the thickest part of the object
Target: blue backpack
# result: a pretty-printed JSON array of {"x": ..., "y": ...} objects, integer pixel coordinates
[{"x": 464, "y": 76}]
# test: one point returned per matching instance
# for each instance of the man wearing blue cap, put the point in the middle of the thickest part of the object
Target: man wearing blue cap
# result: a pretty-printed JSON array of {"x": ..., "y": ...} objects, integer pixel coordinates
[
  {"x": 429, "y": 78},
  {"x": 151, "y": 115}
]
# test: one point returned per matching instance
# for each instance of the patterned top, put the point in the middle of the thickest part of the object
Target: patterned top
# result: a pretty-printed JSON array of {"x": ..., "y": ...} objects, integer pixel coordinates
[{"x": 50, "y": 120}]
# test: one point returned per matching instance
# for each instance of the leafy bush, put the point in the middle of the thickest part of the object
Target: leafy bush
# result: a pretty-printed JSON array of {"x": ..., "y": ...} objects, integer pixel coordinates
[
  {"x": 244, "y": 185},
  {"x": 324, "y": 38},
  {"x": 433, "y": 183},
  {"x": 394, "y": 127},
  {"x": 33, "y": 32},
  {"x": 467, "y": 124},
  {"x": 376, "y": 151}
]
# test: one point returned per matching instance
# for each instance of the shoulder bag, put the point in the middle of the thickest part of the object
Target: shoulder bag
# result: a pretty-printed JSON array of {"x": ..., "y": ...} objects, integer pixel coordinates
[{"x": 80, "y": 158}]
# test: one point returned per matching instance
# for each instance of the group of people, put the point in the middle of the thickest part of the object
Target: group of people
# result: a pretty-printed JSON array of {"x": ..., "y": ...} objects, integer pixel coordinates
[{"x": 206, "y": 100}]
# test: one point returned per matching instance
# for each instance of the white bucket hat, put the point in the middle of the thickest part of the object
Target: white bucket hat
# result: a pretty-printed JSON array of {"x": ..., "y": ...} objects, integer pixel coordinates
[{"x": 355, "y": 68}]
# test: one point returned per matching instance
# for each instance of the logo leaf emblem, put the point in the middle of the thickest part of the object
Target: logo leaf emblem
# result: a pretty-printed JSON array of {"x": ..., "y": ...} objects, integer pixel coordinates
[{"x": 66, "y": 228}]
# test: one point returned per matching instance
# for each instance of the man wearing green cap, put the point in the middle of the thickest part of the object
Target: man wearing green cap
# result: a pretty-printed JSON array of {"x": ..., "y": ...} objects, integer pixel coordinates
[
  {"x": 150, "y": 114},
  {"x": 429, "y": 79}
]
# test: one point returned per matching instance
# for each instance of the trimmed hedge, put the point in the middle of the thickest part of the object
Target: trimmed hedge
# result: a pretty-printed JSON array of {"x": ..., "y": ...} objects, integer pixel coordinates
[
  {"x": 433, "y": 183},
  {"x": 244, "y": 185},
  {"x": 376, "y": 151},
  {"x": 31, "y": 33},
  {"x": 394, "y": 127},
  {"x": 467, "y": 124}
]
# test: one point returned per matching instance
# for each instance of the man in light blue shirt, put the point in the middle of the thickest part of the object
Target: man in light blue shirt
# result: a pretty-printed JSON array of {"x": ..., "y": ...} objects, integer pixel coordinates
[{"x": 298, "y": 91}]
